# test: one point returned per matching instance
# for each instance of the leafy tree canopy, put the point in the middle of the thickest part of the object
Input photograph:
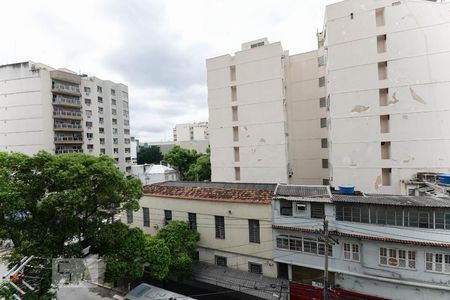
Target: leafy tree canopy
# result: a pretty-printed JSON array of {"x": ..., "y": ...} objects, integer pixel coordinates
[
  {"x": 191, "y": 165},
  {"x": 150, "y": 155},
  {"x": 201, "y": 170}
]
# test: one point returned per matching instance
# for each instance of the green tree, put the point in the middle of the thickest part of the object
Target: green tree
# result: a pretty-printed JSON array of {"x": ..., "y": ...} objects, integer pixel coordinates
[
  {"x": 201, "y": 170},
  {"x": 181, "y": 159},
  {"x": 182, "y": 242},
  {"x": 51, "y": 204},
  {"x": 150, "y": 155}
]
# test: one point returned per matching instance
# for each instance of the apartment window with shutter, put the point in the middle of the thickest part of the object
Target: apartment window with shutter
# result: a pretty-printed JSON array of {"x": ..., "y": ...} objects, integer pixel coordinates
[
  {"x": 324, "y": 143},
  {"x": 285, "y": 208},
  {"x": 323, "y": 102},
  {"x": 221, "y": 260},
  {"x": 317, "y": 210},
  {"x": 220, "y": 227},
  {"x": 323, "y": 122},
  {"x": 255, "y": 268},
  {"x": 325, "y": 163},
  {"x": 379, "y": 16},
  {"x": 253, "y": 228},
  {"x": 129, "y": 216},
  {"x": 382, "y": 70},
  {"x": 233, "y": 73},
  {"x": 167, "y": 216},
  {"x": 381, "y": 43},
  {"x": 322, "y": 81},
  {"x": 192, "y": 217},
  {"x": 383, "y": 96},
  {"x": 146, "y": 216}
]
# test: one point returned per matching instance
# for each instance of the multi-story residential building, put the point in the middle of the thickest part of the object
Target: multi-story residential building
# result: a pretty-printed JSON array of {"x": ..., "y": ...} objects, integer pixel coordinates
[
  {"x": 394, "y": 247},
  {"x": 234, "y": 222},
  {"x": 59, "y": 111},
  {"x": 192, "y": 136},
  {"x": 336, "y": 114},
  {"x": 388, "y": 83},
  {"x": 247, "y": 115}
]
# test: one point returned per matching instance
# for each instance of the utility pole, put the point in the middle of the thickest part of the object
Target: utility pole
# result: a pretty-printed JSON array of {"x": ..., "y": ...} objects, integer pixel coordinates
[{"x": 329, "y": 241}]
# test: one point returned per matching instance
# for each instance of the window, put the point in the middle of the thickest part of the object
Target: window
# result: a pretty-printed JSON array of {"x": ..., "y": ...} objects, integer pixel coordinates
[
  {"x": 386, "y": 176},
  {"x": 253, "y": 230},
  {"x": 102, "y": 141},
  {"x": 382, "y": 70},
  {"x": 236, "y": 154},
  {"x": 384, "y": 123},
  {"x": 383, "y": 95},
  {"x": 381, "y": 43},
  {"x": 113, "y": 92},
  {"x": 237, "y": 173},
  {"x": 88, "y": 113},
  {"x": 102, "y": 151},
  {"x": 100, "y": 110},
  {"x": 192, "y": 217},
  {"x": 437, "y": 262},
  {"x": 87, "y": 89},
  {"x": 115, "y": 131},
  {"x": 113, "y": 101},
  {"x": 324, "y": 163},
  {"x": 322, "y": 81},
  {"x": 234, "y": 111},
  {"x": 100, "y": 100},
  {"x": 101, "y": 120},
  {"x": 398, "y": 258},
  {"x": 323, "y": 102},
  {"x": 99, "y": 89},
  {"x": 255, "y": 268},
  {"x": 303, "y": 244},
  {"x": 90, "y": 146},
  {"x": 115, "y": 141},
  {"x": 323, "y": 122},
  {"x": 88, "y": 124},
  {"x": 351, "y": 252},
  {"x": 232, "y": 73},
  {"x": 167, "y": 216},
  {"x": 220, "y": 227},
  {"x": 233, "y": 93},
  {"x": 285, "y": 208},
  {"x": 116, "y": 150},
  {"x": 259, "y": 44},
  {"x": 352, "y": 16},
  {"x": 146, "y": 216},
  {"x": 325, "y": 181},
  {"x": 235, "y": 134},
  {"x": 321, "y": 61},
  {"x": 379, "y": 16},
  {"x": 89, "y": 135},
  {"x": 324, "y": 143},
  {"x": 87, "y": 101},
  {"x": 317, "y": 210},
  {"x": 126, "y": 131},
  {"x": 114, "y": 121},
  {"x": 114, "y": 111},
  {"x": 385, "y": 150},
  {"x": 220, "y": 260},
  {"x": 129, "y": 216}
]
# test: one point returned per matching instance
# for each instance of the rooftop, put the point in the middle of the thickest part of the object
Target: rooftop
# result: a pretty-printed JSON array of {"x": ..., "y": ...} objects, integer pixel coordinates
[
  {"x": 302, "y": 191},
  {"x": 213, "y": 191},
  {"x": 417, "y": 201}
]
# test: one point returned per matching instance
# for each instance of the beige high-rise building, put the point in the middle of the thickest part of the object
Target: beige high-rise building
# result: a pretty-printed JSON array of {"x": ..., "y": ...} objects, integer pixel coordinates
[
  {"x": 367, "y": 108},
  {"x": 192, "y": 136},
  {"x": 59, "y": 111}
]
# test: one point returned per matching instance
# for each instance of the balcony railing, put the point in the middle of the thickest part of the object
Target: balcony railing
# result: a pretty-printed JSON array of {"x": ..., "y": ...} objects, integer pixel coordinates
[
  {"x": 66, "y": 88},
  {"x": 68, "y": 126},
  {"x": 62, "y": 151},
  {"x": 67, "y": 113},
  {"x": 65, "y": 100},
  {"x": 68, "y": 139}
]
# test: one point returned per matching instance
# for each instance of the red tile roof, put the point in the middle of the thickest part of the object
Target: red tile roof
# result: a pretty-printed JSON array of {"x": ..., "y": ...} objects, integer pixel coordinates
[
  {"x": 366, "y": 237},
  {"x": 210, "y": 194}
]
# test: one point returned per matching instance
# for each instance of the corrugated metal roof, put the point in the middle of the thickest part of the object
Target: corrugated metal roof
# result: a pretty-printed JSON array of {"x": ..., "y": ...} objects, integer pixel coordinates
[
  {"x": 222, "y": 185},
  {"x": 306, "y": 191},
  {"x": 424, "y": 201}
]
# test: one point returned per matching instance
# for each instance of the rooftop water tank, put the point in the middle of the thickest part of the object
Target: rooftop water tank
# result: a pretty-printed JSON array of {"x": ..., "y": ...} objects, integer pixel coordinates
[
  {"x": 444, "y": 178},
  {"x": 347, "y": 189}
]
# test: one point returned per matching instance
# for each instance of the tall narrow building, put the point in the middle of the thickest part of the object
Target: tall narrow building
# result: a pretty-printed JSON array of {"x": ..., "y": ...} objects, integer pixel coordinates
[{"x": 59, "y": 111}]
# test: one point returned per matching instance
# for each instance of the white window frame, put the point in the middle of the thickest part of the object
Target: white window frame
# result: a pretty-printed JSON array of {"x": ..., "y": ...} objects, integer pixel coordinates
[
  {"x": 408, "y": 259},
  {"x": 352, "y": 252},
  {"x": 442, "y": 267}
]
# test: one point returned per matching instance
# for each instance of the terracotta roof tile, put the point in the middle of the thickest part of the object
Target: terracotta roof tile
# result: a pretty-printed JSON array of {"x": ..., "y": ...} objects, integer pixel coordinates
[{"x": 210, "y": 194}]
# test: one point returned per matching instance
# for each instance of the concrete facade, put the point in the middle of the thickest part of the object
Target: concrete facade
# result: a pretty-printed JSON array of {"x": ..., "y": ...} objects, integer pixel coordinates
[
  {"x": 192, "y": 136},
  {"x": 59, "y": 111},
  {"x": 389, "y": 117}
]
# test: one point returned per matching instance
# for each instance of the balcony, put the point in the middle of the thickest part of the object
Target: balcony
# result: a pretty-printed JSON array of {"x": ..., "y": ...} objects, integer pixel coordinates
[
  {"x": 66, "y": 89},
  {"x": 68, "y": 139},
  {"x": 65, "y": 101},
  {"x": 67, "y": 114},
  {"x": 63, "y": 151},
  {"x": 67, "y": 127}
]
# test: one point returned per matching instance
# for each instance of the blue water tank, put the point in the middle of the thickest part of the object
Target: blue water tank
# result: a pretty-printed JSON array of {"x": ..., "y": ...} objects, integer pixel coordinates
[
  {"x": 347, "y": 189},
  {"x": 444, "y": 178}
]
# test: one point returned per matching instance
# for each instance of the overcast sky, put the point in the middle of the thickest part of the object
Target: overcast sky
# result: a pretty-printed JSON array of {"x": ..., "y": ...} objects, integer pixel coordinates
[{"x": 157, "y": 48}]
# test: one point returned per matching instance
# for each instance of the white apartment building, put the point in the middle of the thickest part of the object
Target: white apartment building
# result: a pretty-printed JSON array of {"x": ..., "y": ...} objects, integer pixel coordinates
[
  {"x": 388, "y": 81},
  {"x": 247, "y": 115},
  {"x": 388, "y": 247},
  {"x": 235, "y": 226},
  {"x": 59, "y": 111},
  {"x": 192, "y": 136},
  {"x": 368, "y": 108}
]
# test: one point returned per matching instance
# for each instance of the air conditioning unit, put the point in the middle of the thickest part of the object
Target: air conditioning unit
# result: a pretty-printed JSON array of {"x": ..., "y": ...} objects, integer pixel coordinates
[{"x": 301, "y": 207}]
